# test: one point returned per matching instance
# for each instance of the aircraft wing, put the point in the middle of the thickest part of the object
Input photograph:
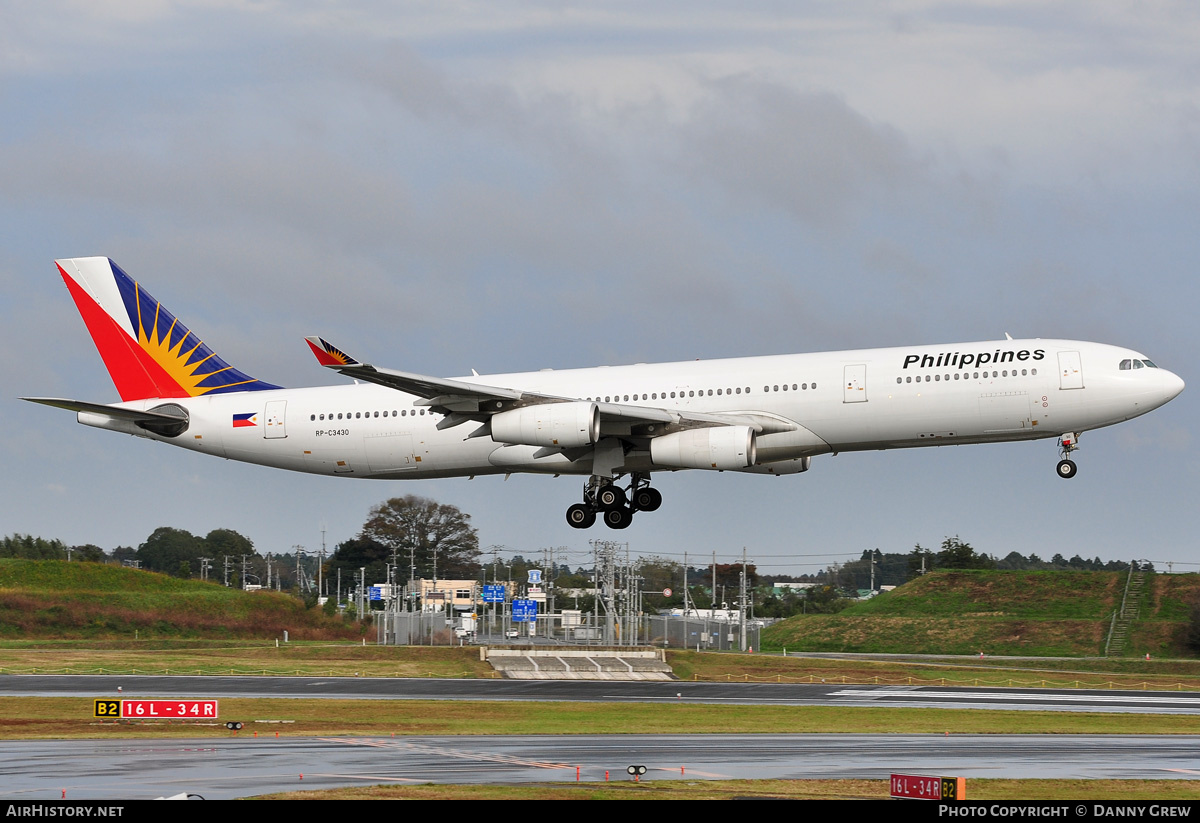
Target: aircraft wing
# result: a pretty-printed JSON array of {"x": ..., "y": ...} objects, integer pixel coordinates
[
  {"x": 461, "y": 401},
  {"x": 420, "y": 385}
]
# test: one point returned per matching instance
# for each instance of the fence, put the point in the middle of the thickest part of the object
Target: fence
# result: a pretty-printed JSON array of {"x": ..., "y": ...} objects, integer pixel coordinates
[
  {"x": 413, "y": 629},
  {"x": 693, "y": 632}
]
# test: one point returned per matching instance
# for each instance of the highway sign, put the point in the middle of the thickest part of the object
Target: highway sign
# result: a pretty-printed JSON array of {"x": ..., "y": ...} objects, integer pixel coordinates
[{"x": 524, "y": 611}]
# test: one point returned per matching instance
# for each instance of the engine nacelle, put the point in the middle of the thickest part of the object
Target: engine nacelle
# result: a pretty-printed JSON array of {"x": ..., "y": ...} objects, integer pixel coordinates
[
  {"x": 780, "y": 467},
  {"x": 561, "y": 425},
  {"x": 717, "y": 447}
]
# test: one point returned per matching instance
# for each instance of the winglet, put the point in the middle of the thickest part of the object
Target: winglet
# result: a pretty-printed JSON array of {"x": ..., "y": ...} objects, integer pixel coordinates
[{"x": 329, "y": 355}]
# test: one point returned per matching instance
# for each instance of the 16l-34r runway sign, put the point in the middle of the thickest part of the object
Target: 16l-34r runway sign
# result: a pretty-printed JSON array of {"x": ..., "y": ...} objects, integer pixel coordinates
[{"x": 149, "y": 709}]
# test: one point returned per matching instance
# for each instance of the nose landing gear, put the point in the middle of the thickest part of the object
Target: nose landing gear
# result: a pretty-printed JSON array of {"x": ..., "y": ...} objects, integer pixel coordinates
[
  {"x": 1068, "y": 443},
  {"x": 603, "y": 498}
]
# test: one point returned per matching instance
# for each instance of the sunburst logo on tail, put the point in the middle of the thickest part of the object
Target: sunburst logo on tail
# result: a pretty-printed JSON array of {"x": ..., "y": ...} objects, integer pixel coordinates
[{"x": 182, "y": 355}]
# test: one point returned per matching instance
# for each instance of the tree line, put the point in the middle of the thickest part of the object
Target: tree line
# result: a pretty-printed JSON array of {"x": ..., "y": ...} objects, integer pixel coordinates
[
  {"x": 413, "y": 537},
  {"x": 412, "y": 534},
  {"x": 893, "y": 569}
]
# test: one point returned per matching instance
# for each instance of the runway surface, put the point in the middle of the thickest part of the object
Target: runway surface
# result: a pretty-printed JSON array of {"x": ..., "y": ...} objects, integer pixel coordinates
[
  {"x": 821, "y": 694},
  {"x": 131, "y": 769}
]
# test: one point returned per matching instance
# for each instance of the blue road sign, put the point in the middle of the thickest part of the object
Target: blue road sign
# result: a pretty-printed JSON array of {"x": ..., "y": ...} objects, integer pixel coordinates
[
  {"x": 493, "y": 594},
  {"x": 524, "y": 611}
]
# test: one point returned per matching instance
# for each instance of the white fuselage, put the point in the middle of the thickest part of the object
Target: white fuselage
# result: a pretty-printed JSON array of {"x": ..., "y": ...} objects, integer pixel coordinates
[{"x": 837, "y": 401}]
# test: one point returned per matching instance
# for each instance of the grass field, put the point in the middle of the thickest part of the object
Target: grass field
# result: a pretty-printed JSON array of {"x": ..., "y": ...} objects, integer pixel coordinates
[
  {"x": 71, "y": 717},
  {"x": 329, "y": 659},
  {"x": 241, "y": 658},
  {"x": 1094, "y": 673}
]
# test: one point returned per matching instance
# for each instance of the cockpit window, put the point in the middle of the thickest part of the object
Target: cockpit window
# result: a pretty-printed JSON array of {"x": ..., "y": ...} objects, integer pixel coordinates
[{"x": 1126, "y": 365}]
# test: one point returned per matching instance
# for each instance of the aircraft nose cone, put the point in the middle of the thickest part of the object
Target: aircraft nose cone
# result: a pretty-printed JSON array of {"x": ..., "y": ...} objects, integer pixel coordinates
[{"x": 1172, "y": 385}]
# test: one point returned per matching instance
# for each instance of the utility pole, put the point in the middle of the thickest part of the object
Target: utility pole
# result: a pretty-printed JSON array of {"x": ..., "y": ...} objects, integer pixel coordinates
[
  {"x": 713, "y": 610},
  {"x": 321, "y": 562},
  {"x": 685, "y": 594},
  {"x": 742, "y": 601},
  {"x": 606, "y": 576},
  {"x": 412, "y": 572}
]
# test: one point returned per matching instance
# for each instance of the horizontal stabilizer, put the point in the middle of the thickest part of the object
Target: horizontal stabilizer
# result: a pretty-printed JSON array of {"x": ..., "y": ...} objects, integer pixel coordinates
[{"x": 115, "y": 412}]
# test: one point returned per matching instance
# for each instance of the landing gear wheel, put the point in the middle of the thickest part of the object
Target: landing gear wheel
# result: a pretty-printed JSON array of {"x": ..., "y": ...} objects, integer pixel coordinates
[
  {"x": 618, "y": 518},
  {"x": 647, "y": 499},
  {"x": 610, "y": 497},
  {"x": 580, "y": 516},
  {"x": 1067, "y": 468}
]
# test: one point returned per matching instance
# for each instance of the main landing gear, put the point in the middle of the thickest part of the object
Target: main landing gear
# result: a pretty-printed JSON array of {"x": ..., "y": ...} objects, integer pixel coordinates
[
  {"x": 603, "y": 498},
  {"x": 1068, "y": 443}
]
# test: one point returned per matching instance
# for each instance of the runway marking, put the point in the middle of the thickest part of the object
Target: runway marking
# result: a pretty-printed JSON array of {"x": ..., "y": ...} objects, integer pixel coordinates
[
  {"x": 697, "y": 773},
  {"x": 461, "y": 754},
  {"x": 648, "y": 698},
  {"x": 1049, "y": 698}
]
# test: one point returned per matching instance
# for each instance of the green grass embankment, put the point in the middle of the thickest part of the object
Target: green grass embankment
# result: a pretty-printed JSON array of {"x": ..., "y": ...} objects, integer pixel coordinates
[
  {"x": 1051, "y": 614},
  {"x": 53, "y": 599}
]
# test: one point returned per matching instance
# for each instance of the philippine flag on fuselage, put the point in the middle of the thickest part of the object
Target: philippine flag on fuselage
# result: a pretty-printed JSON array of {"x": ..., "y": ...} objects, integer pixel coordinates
[{"x": 242, "y": 420}]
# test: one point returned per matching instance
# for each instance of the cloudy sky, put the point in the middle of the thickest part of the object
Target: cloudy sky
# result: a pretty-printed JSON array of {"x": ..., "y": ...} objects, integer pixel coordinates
[{"x": 441, "y": 186}]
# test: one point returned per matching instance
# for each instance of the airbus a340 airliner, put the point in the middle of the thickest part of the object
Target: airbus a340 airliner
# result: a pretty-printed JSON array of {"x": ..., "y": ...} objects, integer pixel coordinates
[{"x": 766, "y": 415}]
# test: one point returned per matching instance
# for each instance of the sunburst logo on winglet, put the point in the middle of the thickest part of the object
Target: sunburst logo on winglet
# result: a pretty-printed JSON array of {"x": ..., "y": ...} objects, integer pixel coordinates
[
  {"x": 329, "y": 355},
  {"x": 336, "y": 353}
]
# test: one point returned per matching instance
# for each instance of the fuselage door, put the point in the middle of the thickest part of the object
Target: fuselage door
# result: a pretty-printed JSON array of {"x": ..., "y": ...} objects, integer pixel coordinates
[
  {"x": 1070, "y": 370},
  {"x": 274, "y": 428},
  {"x": 855, "y": 383},
  {"x": 390, "y": 452}
]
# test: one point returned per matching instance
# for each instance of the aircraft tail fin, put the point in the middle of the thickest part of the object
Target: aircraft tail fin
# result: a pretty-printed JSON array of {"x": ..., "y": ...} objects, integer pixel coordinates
[{"x": 147, "y": 350}]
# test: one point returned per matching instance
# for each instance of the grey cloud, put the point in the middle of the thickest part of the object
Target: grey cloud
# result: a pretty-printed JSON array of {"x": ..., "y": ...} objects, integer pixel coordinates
[{"x": 810, "y": 154}]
